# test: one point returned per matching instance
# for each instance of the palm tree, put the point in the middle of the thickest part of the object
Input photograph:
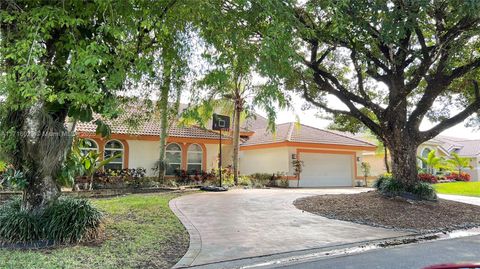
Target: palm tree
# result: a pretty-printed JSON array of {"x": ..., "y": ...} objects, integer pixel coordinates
[
  {"x": 432, "y": 162},
  {"x": 459, "y": 162},
  {"x": 229, "y": 93}
]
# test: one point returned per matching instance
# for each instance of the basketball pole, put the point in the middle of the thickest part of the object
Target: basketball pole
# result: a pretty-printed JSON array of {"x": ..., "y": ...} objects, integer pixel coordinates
[{"x": 220, "y": 158}]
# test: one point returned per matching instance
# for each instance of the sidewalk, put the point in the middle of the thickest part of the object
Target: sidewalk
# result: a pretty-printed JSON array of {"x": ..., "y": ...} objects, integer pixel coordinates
[{"x": 460, "y": 198}]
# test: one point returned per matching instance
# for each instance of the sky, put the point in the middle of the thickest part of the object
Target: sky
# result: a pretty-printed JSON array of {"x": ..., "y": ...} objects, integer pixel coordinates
[{"x": 310, "y": 117}]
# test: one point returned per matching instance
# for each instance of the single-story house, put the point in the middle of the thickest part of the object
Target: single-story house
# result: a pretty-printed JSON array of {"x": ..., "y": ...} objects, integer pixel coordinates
[
  {"x": 443, "y": 146},
  {"x": 329, "y": 158}
]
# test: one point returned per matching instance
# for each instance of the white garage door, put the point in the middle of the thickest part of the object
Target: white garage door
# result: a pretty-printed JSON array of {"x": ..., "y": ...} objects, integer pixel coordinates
[{"x": 326, "y": 170}]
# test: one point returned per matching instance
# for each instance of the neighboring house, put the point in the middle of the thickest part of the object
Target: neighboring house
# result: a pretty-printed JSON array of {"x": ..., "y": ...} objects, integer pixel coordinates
[
  {"x": 443, "y": 147},
  {"x": 330, "y": 158}
]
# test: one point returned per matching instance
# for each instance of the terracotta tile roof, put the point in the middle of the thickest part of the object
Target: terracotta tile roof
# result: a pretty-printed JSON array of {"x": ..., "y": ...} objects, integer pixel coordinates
[
  {"x": 255, "y": 122},
  {"x": 143, "y": 121},
  {"x": 292, "y": 132}
]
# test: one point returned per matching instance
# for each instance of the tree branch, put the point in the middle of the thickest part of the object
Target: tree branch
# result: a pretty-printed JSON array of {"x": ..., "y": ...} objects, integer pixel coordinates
[
  {"x": 462, "y": 70},
  {"x": 354, "y": 111},
  {"x": 358, "y": 70},
  {"x": 469, "y": 110},
  {"x": 324, "y": 55},
  {"x": 347, "y": 94}
]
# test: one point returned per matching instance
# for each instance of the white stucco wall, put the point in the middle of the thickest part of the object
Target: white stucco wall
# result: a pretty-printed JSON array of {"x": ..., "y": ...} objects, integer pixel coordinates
[
  {"x": 273, "y": 160},
  {"x": 270, "y": 160},
  {"x": 475, "y": 171},
  {"x": 212, "y": 156},
  {"x": 143, "y": 154},
  {"x": 476, "y": 168}
]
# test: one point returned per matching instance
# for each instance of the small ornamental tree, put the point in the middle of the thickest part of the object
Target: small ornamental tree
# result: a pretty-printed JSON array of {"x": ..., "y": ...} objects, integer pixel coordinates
[
  {"x": 365, "y": 167},
  {"x": 297, "y": 169}
]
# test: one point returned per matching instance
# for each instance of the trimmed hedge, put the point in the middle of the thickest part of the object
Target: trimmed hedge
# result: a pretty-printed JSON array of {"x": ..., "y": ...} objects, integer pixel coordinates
[{"x": 67, "y": 220}]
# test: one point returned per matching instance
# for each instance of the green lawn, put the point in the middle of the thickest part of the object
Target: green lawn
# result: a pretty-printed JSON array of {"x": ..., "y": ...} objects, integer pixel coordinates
[
  {"x": 459, "y": 188},
  {"x": 141, "y": 232}
]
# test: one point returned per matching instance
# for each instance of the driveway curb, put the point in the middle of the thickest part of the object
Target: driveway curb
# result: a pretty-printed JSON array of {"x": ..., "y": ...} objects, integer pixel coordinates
[{"x": 195, "y": 239}]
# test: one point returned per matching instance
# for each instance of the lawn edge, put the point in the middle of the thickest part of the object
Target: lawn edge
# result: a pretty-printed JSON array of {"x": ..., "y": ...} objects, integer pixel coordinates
[{"x": 195, "y": 244}]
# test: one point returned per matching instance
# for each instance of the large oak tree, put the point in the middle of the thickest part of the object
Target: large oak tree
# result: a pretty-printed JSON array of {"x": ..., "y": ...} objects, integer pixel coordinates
[{"x": 390, "y": 63}]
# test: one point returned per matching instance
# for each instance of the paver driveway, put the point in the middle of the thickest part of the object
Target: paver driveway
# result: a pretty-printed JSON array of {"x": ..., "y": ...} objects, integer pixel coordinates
[{"x": 248, "y": 223}]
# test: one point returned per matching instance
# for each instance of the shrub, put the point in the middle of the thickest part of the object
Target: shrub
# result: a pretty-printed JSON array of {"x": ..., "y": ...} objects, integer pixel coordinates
[
  {"x": 202, "y": 176},
  {"x": 244, "y": 181},
  {"x": 283, "y": 182},
  {"x": 67, "y": 220},
  {"x": 134, "y": 177},
  {"x": 18, "y": 225},
  {"x": 459, "y": 177},
  {"x": 390, "y": 186},
  {"x": 429, "y": 178},
  {"x": 260, "y": 180},
  {"x": 378, "y": 183},
  {"x": 227, "y": 180},
  {"x": 184, "y": 177},
  {"x": 424, "y": 190},
  {"x": 70, "y": 220}
]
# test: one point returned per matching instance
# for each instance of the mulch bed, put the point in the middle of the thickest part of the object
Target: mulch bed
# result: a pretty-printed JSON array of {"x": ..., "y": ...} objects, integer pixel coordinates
[{"x": 374, "y": 209}]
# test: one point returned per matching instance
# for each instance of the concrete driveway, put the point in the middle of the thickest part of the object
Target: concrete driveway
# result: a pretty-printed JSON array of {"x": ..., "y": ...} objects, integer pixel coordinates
[{"x": 248, "y": 223}]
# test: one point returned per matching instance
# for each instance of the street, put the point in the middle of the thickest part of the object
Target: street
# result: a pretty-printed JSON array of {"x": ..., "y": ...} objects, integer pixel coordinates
[{"x": 466, "y": 249}]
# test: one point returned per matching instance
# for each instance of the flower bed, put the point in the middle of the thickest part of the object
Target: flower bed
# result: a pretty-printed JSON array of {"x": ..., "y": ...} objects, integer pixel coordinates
[
  {"x": 429, "y": 178},
  {"x": 459, "y": 177}
]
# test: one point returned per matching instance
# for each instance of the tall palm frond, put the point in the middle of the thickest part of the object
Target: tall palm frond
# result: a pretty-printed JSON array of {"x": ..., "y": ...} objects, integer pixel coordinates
[
  {"x": 432, "y": 162},
  {"x": 459, "y": 163}
]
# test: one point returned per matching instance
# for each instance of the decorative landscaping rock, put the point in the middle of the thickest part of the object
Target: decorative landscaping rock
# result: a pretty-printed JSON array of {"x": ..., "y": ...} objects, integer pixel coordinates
[{"x": 213, "y": 188}]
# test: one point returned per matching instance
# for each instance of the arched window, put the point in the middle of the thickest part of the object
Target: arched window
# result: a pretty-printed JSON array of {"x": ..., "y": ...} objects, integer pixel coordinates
[
  {"x": 113, "y": 147},
  {"x": 194, "y": 158},
  {"x": 87, "y": 145},
  {"x": 173, "y": 158},
  {"x": 424, "y": 154}
]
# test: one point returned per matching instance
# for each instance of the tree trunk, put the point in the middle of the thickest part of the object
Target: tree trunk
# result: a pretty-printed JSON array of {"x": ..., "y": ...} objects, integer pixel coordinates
[
  {"x": 404, "y": 161},
  {"x": 236, "y": 139},
  {"x": 163, "y": 107},
  {"x": 385, "y": 158},
  {"x": 43, "y": 150}
]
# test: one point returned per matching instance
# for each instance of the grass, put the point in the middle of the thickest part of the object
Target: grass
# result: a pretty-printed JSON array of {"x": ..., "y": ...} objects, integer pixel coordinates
[
  {"x": 459, "y": 188},
  {"x": 141, "y": 232}
]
